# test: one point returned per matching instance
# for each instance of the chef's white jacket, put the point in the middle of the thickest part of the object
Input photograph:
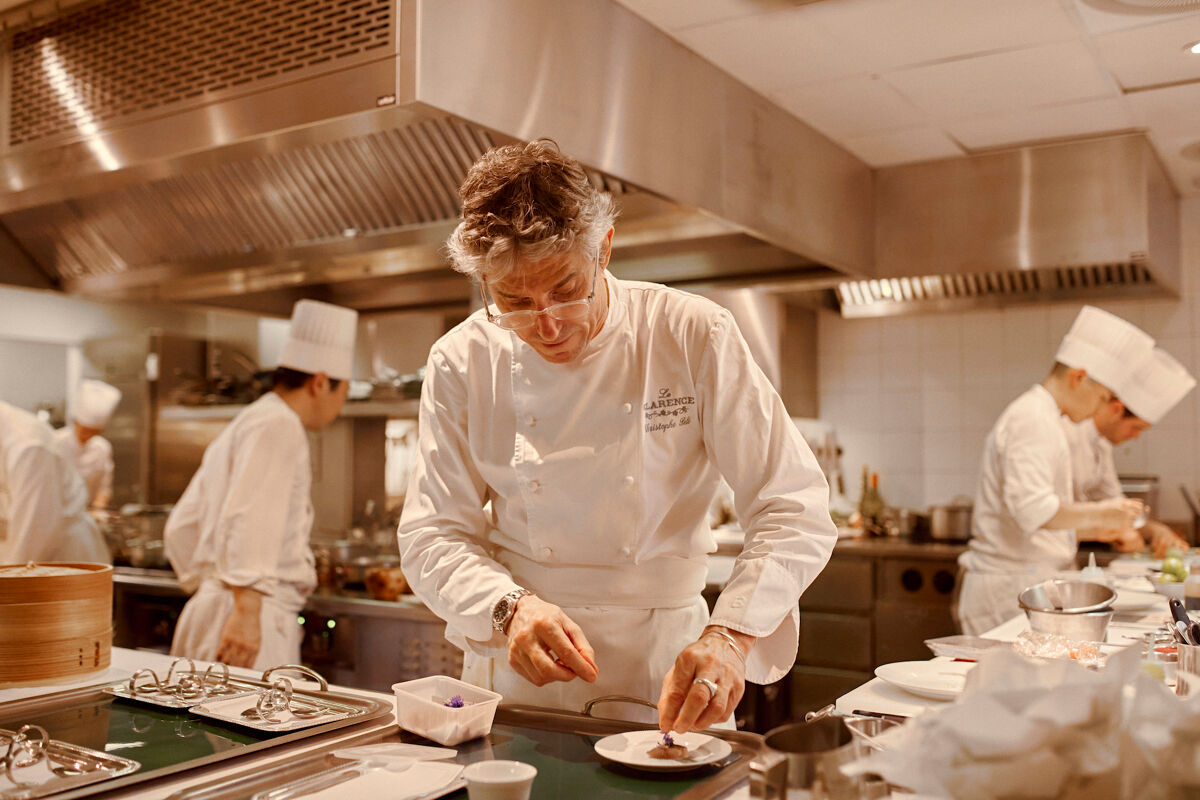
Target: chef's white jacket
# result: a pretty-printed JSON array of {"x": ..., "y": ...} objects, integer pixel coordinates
[
  {"x": 1024, "y": 479},
  {"x": 246, "y": 515},
  {"x": 1093, "y": 471},
  {"x": 93, "y": 459},
  {"x": 43, "y": 502},
  {"x": 599, "y": 475}
]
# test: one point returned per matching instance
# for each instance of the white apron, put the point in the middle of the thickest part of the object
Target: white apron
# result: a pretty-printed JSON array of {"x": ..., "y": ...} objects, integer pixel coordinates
[
  {"x": 198, "y": 633},
  {"x": 636, "y": 634}
]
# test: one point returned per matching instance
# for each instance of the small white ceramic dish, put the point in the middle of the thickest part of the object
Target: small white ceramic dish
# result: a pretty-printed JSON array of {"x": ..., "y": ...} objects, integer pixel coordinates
[
  {"x": 631, "y": 749},
  {"x": 936, "y": 680}
]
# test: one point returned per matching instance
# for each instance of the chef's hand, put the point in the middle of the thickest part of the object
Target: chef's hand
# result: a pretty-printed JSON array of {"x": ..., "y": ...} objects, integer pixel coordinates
[
  {"x": 1128, "y": 541},
  {"x": 1119, "y": 513},
  {"x": 545, "y": 645},
  {"x": 241, "y": 634},
  {"x": 686, "y": 705},
  {"x": 1163, "y": 538}
]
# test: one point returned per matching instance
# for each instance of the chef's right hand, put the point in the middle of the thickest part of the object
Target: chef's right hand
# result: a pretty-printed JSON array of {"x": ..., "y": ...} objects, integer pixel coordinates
[
  {"x": 545, "y": 645},
  {"x": 1118, "y": 513},
  {"x": 241, "y": 635}
]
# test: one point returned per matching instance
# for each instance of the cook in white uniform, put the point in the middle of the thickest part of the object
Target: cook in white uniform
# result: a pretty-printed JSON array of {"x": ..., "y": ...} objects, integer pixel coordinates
[
  {"x": 572, "y": 434},
  {"x": 1153, "y": 388},
  {"x": 43, "y": 502},
  {"x": 239, "y": 535},
  {"x": 92, "y": 454},
  {"x": 1024, "y": 525}
]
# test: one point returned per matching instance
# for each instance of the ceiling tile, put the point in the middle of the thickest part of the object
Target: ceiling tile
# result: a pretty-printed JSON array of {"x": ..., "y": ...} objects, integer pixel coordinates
[
  {"x": 903, "y": 147},
  {"x": 1053, "y": 122},
  {"x": 906, "y": 32},
  {"x": 1170, "y": 111},
  {"x": 851, "y": 107},
  {"x": 775, "y": 52},
  {"x": 1185, "y": 172},
  {"x": 1044, "y": 75},
  {"x": 673, "y": 15},
  {"x": 1097, "y": 21},
  {"x": 1152, "y": 55}
]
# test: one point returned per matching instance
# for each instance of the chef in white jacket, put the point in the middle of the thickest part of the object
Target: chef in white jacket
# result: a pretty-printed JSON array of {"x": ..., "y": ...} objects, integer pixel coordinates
[
  {"x": 1153, "y": 388},
  {"x": 1025, "y": 519},
  {"x": 239, "y": 535},
  {"x": 43, "y": 502},
  {"x": 95, "y": 402},
  {"x": 572, "y": 433}
]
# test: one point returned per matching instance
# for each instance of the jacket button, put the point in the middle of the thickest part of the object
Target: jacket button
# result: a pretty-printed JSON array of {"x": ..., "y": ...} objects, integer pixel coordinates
[
  {"x": 535, "y": 486},
  {"x": 626, "y": 550},
  {"x": 627, "y": 408},
  {"x": 546, "y": 553},
  {"x": 629, "y": 480},
  {"x": 532, "y": 422}
]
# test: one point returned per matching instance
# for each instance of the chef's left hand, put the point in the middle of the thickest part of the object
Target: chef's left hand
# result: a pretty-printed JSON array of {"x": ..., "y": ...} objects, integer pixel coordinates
[
  {"x": 685, "y": 705},
  {"x": 1129, "y": 541},
  {"x": 1163, "y": 538}
]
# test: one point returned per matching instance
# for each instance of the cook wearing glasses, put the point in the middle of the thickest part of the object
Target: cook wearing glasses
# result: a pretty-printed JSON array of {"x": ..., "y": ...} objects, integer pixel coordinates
[
  {"x": 572, "y": 434},
  {"x": 1026, "y": 522}
]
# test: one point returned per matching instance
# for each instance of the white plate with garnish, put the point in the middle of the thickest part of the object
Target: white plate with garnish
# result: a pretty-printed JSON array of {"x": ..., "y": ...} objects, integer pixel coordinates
[
  {"x": 633, "y": 750},
  {"x": 937, "y": 680}
]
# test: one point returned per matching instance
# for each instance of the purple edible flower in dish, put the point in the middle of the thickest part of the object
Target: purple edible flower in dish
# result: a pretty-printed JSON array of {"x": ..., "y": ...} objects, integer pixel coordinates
[
  {"x": 668, "y": 740},
  {"x": 455, "y": 702}
]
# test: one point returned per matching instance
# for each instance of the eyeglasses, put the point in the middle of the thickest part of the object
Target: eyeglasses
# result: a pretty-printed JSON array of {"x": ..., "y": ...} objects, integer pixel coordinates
[{"x": 571, "y": 311}]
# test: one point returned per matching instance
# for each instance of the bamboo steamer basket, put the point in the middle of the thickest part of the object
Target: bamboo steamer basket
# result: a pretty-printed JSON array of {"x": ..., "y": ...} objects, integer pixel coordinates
[{"x": 54, "y": 628}]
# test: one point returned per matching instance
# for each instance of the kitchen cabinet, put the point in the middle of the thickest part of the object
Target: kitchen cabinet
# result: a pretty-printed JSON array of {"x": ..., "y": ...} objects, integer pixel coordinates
[{"x": 876, "y": 602}]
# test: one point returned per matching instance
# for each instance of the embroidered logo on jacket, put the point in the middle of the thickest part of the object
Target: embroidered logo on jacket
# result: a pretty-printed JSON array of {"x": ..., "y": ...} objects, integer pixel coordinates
[{"x": 666, "y": 412}]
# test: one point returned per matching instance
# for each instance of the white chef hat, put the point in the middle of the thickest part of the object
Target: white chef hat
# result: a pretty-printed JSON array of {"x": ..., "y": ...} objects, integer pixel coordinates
[
  {"x": 1105, "y": 345},
  {"x": 95, "y": 402},
  {"x": 321, "y": 339},
  {"x": 1155, "y": 385}
]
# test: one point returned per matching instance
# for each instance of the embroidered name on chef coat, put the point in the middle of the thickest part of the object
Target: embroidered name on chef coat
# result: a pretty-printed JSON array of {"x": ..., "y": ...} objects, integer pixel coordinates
[{"x": 667, "y": 411}]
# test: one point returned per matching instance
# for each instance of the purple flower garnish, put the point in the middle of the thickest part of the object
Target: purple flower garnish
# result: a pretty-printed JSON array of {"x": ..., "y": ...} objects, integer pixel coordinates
[
  {"x": 455, "y": 702},
  {"x": 668, "y": 740}
]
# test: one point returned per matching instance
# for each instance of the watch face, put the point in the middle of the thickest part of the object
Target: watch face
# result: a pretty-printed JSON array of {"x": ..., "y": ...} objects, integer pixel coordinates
[{"x": 501, "y": 611}]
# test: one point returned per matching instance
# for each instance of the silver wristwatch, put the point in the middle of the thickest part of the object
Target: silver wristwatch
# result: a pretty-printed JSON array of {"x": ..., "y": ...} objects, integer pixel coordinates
[{"x": 505, "y": 607}]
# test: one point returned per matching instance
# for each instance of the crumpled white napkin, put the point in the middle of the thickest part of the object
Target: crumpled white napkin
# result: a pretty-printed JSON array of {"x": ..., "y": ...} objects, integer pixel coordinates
[{"x": 1022, "y": 728}]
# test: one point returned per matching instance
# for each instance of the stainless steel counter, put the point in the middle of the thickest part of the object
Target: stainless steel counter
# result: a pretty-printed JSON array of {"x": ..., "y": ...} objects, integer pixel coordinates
[{"x": 354, "y": 640}]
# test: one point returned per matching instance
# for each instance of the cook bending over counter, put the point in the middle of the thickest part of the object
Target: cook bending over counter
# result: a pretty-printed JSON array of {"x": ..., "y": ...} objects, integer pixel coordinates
[
  {"x": 1158, "y": 384},
  {"x": 572, "y": 433}
]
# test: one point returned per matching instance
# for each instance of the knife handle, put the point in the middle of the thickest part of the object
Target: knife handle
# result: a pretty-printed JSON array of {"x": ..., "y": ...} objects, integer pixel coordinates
[{"x": 1178, "y": 611}]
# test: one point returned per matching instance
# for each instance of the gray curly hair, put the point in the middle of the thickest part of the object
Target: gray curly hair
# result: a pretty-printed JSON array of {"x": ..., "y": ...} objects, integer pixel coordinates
[{"x": 526, "y": 203}]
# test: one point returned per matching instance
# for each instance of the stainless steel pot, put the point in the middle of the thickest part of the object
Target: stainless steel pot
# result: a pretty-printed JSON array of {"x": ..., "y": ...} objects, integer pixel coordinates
[
  {"x": 809, "y": 755},
  {"x": 950, "y": 523}
]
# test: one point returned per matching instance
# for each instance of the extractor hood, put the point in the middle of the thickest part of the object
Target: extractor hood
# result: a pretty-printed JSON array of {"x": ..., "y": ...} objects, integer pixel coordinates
[
  {"x": 249, "y": 152},
  {"x": 1084, "y": 220}
]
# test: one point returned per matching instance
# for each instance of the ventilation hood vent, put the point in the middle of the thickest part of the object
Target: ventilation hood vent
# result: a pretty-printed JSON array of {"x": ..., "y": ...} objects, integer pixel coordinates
[
  {"x": 893, "y": 296},
  {"x": 1080, "y": 221},
  {"x": 250, "y": 152}
]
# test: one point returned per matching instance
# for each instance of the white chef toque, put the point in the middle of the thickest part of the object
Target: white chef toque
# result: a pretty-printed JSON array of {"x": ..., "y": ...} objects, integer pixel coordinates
[
  {"x": 1155, "y": 386},
  {"x": 1105, "y": 345},
  {"x": 95, "y": 402},
  {"x": 321, "y": 339}
]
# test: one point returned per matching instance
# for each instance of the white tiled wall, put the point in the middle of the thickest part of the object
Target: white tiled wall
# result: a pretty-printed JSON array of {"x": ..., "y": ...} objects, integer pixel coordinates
[{"x": 914, "y": 397}]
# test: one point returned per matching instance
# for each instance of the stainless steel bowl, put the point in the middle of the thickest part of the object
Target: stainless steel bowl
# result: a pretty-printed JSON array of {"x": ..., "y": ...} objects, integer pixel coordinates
[
  {"x": 1067, "y": 597},
  {"x": 1078, "y": 610},
  {"x": 1089, "y": 627}
]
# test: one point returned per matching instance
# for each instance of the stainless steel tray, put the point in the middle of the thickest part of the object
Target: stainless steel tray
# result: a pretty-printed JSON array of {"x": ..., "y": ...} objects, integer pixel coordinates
[
  {"x": 168, "y": 740},
  {"x": 45, "y": 766}
]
